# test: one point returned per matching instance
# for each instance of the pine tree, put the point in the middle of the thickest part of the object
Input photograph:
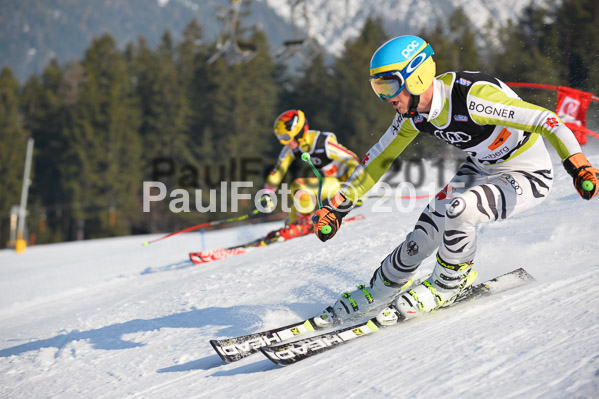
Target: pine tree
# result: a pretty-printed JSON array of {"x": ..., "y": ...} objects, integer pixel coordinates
[
  {"x": 360, "y": 116},
  {"x": 195, "y": 79},
  {"x": 529, "y": 55},
  {"x": 315, "y": 95},
  {"x": 101, "y": 170},
  {"x": 166, "y": 109},
  {"x": 215, "y": 130},
  {"x": 254, "y": 108},
  {"x": 14, "y": 141},
  {"x": 44, "y": 115},
  {"x": 576, "y": 22},
  {"x": 189, "y": 49},
  {"x": 454, "y": 44}
]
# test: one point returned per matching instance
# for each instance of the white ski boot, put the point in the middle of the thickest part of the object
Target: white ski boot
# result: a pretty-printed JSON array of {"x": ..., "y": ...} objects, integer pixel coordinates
[
  {"x": 441, "y": 289},
  {"x": 362, "y": 301}
]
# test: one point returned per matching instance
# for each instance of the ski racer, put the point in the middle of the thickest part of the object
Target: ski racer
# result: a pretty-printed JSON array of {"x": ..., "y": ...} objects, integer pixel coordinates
[
  {"x": 507, "y": 171},
  {"x": 334, "y": 162}
]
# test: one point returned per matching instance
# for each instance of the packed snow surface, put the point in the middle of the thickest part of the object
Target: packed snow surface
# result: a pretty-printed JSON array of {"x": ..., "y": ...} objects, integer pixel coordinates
[{"x": 114, "y": 319}]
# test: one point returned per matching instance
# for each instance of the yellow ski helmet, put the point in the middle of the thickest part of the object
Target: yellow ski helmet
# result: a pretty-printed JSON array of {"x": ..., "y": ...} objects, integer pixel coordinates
[
  {"x": 405, "y": 61},
  {"x": 291, "y": 124}
]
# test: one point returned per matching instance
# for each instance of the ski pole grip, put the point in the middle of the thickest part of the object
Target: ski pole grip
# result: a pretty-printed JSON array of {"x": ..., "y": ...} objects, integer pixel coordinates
[
  {"x": 324, "y": 229},
  {"x": 306, "y": 158},
  {"x": 587, "y": 185}
]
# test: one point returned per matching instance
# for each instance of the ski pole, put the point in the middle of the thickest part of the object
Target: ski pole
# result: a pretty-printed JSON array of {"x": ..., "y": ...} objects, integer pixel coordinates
[
  {"x": 208, "y": 224},
  {"x": 306, "y": 158}
]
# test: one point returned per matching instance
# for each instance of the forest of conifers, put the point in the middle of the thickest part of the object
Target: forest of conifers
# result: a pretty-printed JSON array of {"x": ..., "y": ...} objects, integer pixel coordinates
[{"x": 117, "y": 117}]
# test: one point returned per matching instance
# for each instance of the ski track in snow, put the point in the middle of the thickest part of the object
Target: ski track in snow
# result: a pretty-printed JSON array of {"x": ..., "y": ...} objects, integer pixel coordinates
[{"x": 113, "y": 319}]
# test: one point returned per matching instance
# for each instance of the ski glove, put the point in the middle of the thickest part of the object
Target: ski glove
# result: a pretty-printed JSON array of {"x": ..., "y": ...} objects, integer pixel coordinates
[
  {"x": 331, "y": 215},
  {"x": 586, "y": 178}
]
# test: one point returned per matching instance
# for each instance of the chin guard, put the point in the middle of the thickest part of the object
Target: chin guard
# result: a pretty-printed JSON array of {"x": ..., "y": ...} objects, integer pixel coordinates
[{"x": 413, "y": 108}]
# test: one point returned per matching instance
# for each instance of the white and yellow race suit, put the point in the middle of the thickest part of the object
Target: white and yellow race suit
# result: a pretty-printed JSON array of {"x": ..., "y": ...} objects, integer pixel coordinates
[
  {"x": 508, "y": 169},
  {"x": 334, "y": 162}
]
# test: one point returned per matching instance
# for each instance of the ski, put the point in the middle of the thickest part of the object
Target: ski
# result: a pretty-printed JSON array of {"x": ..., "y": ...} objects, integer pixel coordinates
[
  {"x": 289, "y": 353},
  {"x": 234, "y": 349},
  {"x": 237, "y": 348},
  {"x": 212, "y": 255}
]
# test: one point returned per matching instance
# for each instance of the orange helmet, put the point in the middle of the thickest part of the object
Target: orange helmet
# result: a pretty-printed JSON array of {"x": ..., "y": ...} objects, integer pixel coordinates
[{"x": 291, "y": 124}]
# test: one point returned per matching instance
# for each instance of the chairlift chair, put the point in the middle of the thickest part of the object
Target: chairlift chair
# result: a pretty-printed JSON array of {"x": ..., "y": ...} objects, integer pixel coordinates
[
  {"x": 233, "y": 50},
  {"x": 304, "y": 47}
]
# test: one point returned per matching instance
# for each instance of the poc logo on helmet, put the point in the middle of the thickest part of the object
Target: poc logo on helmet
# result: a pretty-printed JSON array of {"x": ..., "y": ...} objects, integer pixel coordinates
[{"x": 410, "y": 48}]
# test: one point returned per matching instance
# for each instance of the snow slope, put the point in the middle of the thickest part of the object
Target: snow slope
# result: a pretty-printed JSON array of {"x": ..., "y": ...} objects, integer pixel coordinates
[{"x": 113, "y": 319}]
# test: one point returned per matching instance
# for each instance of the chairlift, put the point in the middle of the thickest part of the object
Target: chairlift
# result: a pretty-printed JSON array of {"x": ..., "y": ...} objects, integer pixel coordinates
[
  {"x": 228, "y": 46},
  {"x": 305, "y": 47}
]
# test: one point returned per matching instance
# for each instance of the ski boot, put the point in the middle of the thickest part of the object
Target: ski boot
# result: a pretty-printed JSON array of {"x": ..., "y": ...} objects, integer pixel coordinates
[
  {"x": 362, "y": 301},
  {"x": 441, "y": 289}
]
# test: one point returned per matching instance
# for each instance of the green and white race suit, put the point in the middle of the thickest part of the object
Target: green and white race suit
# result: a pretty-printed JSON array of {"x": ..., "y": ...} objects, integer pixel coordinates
[{"x": 508, "y": 169}]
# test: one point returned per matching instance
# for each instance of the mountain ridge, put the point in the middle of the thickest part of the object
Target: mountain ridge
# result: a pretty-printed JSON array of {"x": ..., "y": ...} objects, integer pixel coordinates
[{"x": 32, "y": 33}]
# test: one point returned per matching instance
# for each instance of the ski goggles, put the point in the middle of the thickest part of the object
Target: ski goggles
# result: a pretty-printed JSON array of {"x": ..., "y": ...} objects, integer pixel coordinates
[
  {"x": 284, "y": 138},
  {"x": 389, "y": 84},
  {"x": 286, "y": 131}
]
